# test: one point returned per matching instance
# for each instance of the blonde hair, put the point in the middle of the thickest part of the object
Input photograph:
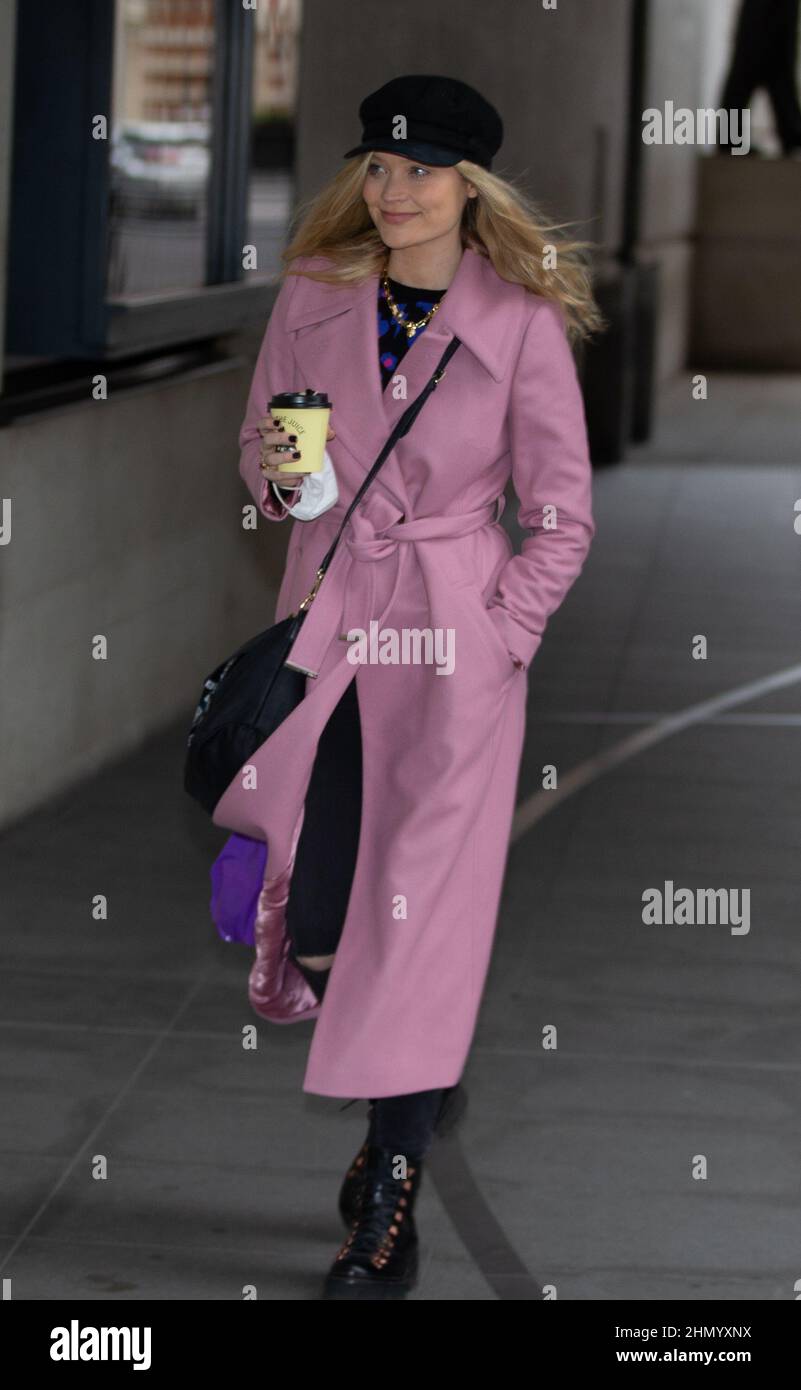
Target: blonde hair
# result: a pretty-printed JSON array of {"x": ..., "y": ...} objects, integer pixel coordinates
[{"x": 502, "y": 223}]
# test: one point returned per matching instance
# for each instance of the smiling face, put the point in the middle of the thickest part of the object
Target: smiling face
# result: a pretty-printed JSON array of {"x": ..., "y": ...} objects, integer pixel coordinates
[{"x": 411, "y": 203}]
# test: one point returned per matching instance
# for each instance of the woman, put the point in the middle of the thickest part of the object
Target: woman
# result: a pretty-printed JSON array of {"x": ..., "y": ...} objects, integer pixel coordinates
[{"x": 386, "y": 797}]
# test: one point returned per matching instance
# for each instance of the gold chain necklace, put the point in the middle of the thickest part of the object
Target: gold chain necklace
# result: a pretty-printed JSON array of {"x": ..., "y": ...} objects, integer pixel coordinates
[{"x": 399, "y": 316}]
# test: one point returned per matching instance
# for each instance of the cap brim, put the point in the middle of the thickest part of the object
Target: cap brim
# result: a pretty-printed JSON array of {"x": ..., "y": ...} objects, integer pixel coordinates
[{"x": 410, "y": 149}]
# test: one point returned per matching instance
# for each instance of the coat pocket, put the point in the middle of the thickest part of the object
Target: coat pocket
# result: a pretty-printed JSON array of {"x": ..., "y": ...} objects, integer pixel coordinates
[
  {"x": 471, "y": 567},
  {"x": 490, "y": 635}
]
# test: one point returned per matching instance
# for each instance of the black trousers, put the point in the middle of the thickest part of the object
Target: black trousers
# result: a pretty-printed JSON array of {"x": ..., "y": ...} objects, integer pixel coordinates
[
  {"x": 329, "y": 837},
  {"x": 320, "y": 889},
  {"x": 764, "y": 56}
]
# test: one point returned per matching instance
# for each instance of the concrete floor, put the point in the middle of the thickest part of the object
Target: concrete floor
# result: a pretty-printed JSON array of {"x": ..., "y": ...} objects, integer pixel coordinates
[{"x": 573, "y": 1168}]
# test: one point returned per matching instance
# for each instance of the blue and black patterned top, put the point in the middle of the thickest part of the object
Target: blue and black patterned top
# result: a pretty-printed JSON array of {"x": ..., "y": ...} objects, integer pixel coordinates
[{"x": 393, "y": 340}]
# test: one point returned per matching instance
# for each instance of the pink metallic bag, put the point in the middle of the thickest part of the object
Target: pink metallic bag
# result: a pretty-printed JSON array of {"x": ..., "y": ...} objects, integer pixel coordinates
[{"x": 248, "y": 907}]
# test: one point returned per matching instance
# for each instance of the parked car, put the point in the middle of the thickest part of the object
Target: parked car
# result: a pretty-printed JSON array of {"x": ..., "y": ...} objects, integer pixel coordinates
[{"x": 159, "y": 168}]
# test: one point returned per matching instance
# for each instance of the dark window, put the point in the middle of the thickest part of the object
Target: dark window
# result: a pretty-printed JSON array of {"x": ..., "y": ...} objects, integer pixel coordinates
[{"x": 164, "y": 229}]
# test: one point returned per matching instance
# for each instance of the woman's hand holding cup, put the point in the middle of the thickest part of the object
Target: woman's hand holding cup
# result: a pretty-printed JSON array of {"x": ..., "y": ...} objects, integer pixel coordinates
[{"x": 276, "y": 446}]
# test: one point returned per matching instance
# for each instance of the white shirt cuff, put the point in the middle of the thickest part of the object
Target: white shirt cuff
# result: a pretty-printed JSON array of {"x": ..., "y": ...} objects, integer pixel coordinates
[{"x": 319, "y": 492}]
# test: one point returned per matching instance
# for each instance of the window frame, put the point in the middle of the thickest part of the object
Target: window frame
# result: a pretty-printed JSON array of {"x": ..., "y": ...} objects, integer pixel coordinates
[{"x": 50, "y": 315}]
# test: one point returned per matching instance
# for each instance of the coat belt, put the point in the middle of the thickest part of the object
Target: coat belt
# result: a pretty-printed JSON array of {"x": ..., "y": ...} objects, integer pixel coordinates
[{"x": 352, "y": 565}]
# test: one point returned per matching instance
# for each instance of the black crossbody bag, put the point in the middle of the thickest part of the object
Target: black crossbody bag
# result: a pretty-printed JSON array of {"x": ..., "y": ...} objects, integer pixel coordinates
[{"x": 245, "y": 698}]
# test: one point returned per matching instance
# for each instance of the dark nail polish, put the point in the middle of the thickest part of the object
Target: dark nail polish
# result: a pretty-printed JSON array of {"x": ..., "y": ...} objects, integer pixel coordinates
[
  {"x": 277, "y": 423},
  {"x": 296, "y": 454},
  {"x": 292, "y": 438}
]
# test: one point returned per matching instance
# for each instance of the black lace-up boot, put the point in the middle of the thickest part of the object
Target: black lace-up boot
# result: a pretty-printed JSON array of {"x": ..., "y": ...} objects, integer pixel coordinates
[
  {"x": 379, "y": 1257},
  {"x": 352, "y": 1189},
  {"x": 452, "y": 1108}
]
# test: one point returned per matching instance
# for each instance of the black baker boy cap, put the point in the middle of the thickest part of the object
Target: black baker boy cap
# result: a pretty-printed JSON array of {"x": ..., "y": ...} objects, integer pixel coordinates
[{"x": 446, "y": 120}]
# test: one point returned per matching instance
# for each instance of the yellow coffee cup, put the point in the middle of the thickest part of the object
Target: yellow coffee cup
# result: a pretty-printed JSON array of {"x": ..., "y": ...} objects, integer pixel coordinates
[{"x": 306, "y": 414}]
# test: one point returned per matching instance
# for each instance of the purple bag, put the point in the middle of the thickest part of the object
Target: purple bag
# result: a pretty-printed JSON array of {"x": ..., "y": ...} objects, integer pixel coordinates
[{"x": 237, "y": 875}]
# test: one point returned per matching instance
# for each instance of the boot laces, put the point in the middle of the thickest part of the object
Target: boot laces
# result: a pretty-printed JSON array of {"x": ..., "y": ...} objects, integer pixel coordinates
[{"x": 384, "y": 1210}]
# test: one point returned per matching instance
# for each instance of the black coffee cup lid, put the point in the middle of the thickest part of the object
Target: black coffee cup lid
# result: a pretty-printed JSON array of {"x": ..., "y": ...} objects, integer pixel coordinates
[{"x": 305, "y": 400}]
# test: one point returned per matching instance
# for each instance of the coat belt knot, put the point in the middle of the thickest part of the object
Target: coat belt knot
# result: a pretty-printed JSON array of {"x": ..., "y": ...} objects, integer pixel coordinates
[{"x": 368, "y": 543}]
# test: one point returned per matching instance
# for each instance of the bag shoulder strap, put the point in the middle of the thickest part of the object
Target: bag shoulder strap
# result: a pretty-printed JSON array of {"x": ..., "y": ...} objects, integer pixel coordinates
[{"x": 401, "y": 428}]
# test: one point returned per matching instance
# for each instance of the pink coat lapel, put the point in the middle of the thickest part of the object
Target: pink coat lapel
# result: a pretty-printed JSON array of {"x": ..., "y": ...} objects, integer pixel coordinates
[{"x": 476, "y": 308}]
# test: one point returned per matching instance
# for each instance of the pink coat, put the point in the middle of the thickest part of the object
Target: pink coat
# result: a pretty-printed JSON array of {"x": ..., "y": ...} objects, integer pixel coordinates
[{"x": 441, "y": 752}]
